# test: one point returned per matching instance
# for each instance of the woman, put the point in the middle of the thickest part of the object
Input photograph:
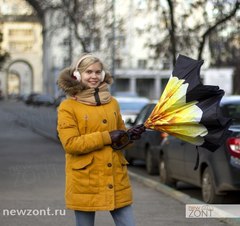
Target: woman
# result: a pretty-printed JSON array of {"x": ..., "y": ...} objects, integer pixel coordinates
[{"x": 90, "y": 128}]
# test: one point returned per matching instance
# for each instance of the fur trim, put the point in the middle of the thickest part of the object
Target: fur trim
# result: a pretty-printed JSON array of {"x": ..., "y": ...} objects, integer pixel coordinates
[{"x": 71, "y": 86}]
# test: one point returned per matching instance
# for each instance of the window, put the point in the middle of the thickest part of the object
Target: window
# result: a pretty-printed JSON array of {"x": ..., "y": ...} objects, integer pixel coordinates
[
  {"x": 141, "y": 4},
  {"x": 145, "y": 113},
  {"x": 232, "y": 110},
  {"x": 118, "y": 63},
  {"x": 142, "y": 64},
  {"x": 96, "y": 43},
  {"x": 87, "y": 41},
  {"x": 166, "y": 65},
  {"x": 20, "y": 46},
  {"x": 21, "y": 32},
  {"x": 121, "y": 41}
]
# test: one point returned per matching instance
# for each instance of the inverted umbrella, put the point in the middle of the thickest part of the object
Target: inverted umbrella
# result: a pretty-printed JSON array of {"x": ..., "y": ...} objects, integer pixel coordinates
[{"x": 189, "y": 110}]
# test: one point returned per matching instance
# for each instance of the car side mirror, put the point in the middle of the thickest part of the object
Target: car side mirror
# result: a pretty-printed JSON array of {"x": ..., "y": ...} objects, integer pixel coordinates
[{"x": 129, "y": 122}]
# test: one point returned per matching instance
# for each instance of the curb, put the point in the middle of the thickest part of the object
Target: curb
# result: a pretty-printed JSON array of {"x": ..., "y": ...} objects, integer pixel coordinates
[{"x": 177, "y": 195}]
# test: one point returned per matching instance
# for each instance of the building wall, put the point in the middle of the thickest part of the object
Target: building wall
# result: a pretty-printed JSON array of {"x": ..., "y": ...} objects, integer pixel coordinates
[
  {"x": 222, "y": 77},
  {"x": 23, "y": 41},
  {"x": 135, "y": 71},
  {"x": 22, "y": 38}
]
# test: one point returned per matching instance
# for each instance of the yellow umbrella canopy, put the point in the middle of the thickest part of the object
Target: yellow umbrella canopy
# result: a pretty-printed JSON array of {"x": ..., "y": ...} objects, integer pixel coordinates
[{"x": 190, "y": 110}]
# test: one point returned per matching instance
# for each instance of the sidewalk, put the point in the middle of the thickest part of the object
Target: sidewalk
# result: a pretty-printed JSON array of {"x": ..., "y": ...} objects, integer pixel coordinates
[{"x": 32, "y": 177}]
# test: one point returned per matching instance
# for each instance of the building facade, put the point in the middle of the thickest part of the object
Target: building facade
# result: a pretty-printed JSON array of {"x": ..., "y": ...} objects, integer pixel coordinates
[
  {"x": 22, "y": 39},
  {"x": 134, "y": 70},
  {"x": 40, "y": 50}
]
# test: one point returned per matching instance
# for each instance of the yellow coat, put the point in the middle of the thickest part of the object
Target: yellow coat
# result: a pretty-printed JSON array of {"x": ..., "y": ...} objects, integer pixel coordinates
[{"x": 96, "y": 175}]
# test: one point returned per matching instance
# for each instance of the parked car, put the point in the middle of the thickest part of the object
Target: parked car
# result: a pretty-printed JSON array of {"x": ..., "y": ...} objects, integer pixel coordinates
[
  {"x": 1, "y": 95},
  {"x": 28, "y": 99},
  {"x": 43, "y": 99},
  {"x": 147, "y": 148},
  {"x": 126, "y": 94},
  {"x": 218, "y": 172},
  {"x": 59, "y": 99},
  {"x": 130, "y": 107}
]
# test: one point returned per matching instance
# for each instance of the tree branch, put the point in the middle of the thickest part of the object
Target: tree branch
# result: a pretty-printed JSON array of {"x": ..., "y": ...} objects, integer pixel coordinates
[
  {"x": 172, "y": 32},
  {"x": 211, "y": 29}
]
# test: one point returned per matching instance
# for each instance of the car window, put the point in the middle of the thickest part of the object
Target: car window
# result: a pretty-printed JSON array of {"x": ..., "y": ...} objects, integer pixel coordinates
[
  {"x": 135, "y": 106},
  {"x": 144, "y": 114},
  {"x": 232, "y": 111}
]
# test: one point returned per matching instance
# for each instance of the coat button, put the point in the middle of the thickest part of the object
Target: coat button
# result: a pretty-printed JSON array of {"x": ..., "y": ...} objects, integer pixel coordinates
[
  {"x": 109, "y": 164},
  {"x": 104, "y": 121},
  {"x": 110, "y": 186}
]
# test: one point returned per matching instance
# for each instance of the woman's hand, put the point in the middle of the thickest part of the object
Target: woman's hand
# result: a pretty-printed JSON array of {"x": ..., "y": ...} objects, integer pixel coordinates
[
  {"x": 120, "y": 139},
  {"x": 116, "y": 135},
  {"x": 136, "y": 131}
]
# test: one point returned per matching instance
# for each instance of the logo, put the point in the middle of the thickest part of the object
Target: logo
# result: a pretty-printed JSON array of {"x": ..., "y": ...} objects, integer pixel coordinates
[
  {"x": 199, "y": 211},
  {"x": 212, "y": 211}
]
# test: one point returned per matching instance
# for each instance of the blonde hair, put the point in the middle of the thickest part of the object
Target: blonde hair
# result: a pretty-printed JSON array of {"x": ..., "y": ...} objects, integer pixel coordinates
[{"x": 85, "y": 61}]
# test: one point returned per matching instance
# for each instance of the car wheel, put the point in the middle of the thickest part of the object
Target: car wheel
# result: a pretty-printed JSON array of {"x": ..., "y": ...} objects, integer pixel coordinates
[
  {"x": 208, "y": 188},
  {"x": 149, "y": 161},
  {"x": 164, "y": 174}
]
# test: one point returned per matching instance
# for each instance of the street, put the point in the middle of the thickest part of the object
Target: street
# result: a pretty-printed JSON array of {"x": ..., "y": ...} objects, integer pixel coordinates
[{"x": 32, "y": 177}]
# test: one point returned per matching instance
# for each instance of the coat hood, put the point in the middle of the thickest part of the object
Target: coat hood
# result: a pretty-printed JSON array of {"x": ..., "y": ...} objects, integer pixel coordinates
[{"x": 71, "y": 86}]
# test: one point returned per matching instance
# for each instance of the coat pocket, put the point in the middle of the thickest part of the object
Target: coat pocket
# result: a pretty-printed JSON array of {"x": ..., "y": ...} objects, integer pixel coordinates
[
  {"x": 85, "y": 176},
  {"x": 122, "y": 173}
]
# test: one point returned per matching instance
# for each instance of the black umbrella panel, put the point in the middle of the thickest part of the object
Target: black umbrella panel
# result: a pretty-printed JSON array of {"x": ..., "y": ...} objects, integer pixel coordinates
[{"x": 190, "y": 110}]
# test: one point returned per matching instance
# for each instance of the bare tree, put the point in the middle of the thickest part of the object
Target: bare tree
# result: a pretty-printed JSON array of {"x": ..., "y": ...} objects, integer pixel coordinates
[
  {"x": 172, "y": 31},
  {"x": 236, "y": 80},
  {"x": 188, "y": 33},
  {"x": 83, "y": 17},
  {"x": 212, "y": 28},
  {"x": 4, "y": 55}
]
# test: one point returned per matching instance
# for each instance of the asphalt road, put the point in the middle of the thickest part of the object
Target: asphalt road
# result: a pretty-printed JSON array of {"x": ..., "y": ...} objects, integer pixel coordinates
[
  {"x": 188, "y": 189},
  {"x": 32, "y": 177}
]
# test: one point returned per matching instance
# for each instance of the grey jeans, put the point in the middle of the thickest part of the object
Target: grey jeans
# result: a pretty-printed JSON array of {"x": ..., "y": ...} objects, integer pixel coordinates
[{"x": 122, "y": 217}]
